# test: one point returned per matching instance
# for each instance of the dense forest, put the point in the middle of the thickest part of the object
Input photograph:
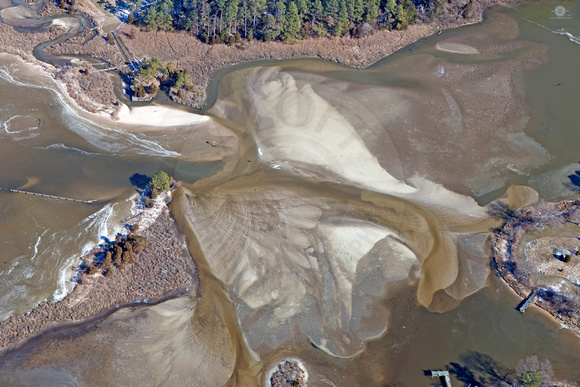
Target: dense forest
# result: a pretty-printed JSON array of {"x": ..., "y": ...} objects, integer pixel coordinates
[{"x": 230, "y": 21}]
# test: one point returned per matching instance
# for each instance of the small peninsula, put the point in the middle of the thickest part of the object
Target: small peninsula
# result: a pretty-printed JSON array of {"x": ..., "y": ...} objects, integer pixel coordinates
[
  {"x": 538, "y": 250},
  {"x": 158, "y": 269}
]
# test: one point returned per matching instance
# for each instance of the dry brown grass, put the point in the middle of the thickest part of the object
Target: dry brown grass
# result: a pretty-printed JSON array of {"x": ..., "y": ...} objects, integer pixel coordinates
[
  {"x": 161, "y": 271},
  {"x": 201, "y": 60},
  {"x": 96, "y": 46},
  {"x": 93, "y": 92},
  {"x": 19, "y": 44},
  {"x": 523, "y": 274}
]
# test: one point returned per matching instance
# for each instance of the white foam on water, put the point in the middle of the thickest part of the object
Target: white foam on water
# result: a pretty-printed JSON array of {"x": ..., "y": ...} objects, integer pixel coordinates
[
  {"x": 6, "y": 124},
  {"x": 107, "y": 138},
  {"x": 36, "y": 245},
  {"x": 22, "y": 134},
  {"x": 61, "y": 146},
  {"x": 113, "y": 140},
  {"x": 562, "y": 31},
  {"x": 134, "y": 203},
  {"x": 101, "y": 224}
]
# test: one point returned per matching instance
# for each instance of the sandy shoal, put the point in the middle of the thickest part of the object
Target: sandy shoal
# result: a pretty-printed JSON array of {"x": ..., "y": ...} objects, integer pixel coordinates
[
  {"x": 457, "y": 48},
  {"x": 156, "y": 115}
]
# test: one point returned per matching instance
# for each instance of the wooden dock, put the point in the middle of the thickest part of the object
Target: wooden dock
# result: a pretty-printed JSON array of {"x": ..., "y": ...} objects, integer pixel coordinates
[
  {"x": 444, "y": 375},
  {"x": 522, "y": 307},
  {"x": 125, "y": 52},
  {"x": 51, "y": 196}
]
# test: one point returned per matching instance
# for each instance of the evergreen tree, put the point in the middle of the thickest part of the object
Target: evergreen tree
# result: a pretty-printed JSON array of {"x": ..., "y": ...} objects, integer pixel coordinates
[
  {"x": 292, "y": 21},
  {"x": 359, "y": 10},
  {"x": 341, "y": 24},
  {"x": 303, "y": 10},
  {"x": 273, "y": 29},
  {"x": 400, "y": 18},
  {"x": 390, "y": 9},
  {"x": 151, "y": 19},
  {"x": 160, "y": 181},
  {"x": 371, "y": 10},
  {"x": 331, "y": 8},
  {"x": 315, "y": 12}
]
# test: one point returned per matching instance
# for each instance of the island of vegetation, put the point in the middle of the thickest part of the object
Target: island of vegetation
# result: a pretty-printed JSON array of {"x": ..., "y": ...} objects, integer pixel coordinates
[
  {"x": 537, "y": 253},
  {"x": 148, "y": 264}
]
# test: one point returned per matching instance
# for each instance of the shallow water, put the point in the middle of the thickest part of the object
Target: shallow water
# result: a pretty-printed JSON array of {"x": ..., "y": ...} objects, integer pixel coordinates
[
  {"x": 298, "y": 254},
  {"x": 47, "y": 148}
]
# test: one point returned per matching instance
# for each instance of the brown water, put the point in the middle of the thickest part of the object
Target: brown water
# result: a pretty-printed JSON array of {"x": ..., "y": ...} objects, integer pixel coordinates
[{"x": 299, "y": 255}]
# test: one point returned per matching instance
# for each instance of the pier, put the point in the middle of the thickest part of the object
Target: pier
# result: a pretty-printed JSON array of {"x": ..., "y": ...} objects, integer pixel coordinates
[
  {"x": 443, "y": 376},
  {"x": 51, "y": 196},
  {"x": 124, "y": 51},
  {"x": 524, "y": 304}
]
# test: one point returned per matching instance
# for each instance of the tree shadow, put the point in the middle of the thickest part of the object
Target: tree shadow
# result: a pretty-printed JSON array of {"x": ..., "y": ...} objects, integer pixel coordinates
[
  {"x": 463, "y": 374},
  {"x": 479, "y": 369},
  {"x": 140, "y": 181},
  {"x": 575, "y": 181},
  {"x": 500, "y": 210}
]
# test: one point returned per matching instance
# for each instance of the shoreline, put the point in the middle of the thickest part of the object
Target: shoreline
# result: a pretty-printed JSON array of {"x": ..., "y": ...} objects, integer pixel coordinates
[
  {"x": 163, "y": 270},
  {"x": 141, "y": 118},
  {"x": 561, "y": 307},
  {"x": 203, "y": 60}
]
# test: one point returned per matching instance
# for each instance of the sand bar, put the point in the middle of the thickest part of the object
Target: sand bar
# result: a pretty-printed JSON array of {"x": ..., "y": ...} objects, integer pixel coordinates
[
  {"x": 157, "y": 115},
  {"x": 457, "y": 48}
]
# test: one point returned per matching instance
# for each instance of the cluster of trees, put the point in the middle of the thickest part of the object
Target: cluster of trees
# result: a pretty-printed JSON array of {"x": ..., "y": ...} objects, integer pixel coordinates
[
  {"x": 153, "y": 72},
  {"x": 120, "y": 253},
  {"x": 228, "y": 21}
]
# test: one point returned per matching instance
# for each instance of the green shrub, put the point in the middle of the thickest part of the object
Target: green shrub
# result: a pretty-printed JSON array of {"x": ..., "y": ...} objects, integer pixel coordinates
[
  {"x": 531, "y": 379},
  {"x": 160, "y": 181},
  {"x": 93, "y": 270}
]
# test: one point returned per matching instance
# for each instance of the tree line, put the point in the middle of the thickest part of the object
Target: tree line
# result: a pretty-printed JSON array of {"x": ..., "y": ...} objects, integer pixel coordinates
[{"x": 229, "y": 21}]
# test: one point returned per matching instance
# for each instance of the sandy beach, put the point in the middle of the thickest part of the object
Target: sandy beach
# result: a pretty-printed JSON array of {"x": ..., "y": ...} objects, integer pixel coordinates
[
  {"x": 157, "y": 116},
  {"x": 141, "y": 118}
]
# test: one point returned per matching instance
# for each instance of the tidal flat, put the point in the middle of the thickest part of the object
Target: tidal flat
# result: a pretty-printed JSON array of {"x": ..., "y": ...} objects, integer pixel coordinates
[{"x": 344, "y": 223}]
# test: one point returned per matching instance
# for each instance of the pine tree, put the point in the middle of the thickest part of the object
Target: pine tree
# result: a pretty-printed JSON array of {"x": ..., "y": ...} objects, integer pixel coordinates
[
  {"x": 390, "y": 9},
  {"x": 151, "y": 19},
  {"x": 401, "y": 22},
  {"x": 303, "y": 10},
  {"x": 371, "y": 10},
  {"x": 292, "y": 21},
  {"x": 342, "y": 23},
  {"x": 315, "y": 12},
  {"x": 359, "y": 10},
  {"x": 331, "y": 8}
]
